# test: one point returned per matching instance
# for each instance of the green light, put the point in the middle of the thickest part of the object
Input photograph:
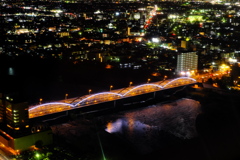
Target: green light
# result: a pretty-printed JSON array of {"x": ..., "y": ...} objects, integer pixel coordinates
[
  {"x": 194, "y": 18},
  {"x": 37, "y": 155},
  {"x": 224, "y": 20},
  {"x": 187, "y": 38}
]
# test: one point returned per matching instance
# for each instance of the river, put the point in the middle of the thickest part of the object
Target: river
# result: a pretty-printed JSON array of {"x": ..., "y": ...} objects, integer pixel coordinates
[
  {"x": 155, "y": 126},
  {"x": 132, "y": 133}
]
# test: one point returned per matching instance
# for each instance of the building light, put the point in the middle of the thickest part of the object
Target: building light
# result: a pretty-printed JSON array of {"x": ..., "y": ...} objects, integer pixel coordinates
[
  {"x": 9, "y": 126},
  {"x": 155, "y": 40},
  {"x": 9, "y": 109},
  {"x": 6, "y": 133}
]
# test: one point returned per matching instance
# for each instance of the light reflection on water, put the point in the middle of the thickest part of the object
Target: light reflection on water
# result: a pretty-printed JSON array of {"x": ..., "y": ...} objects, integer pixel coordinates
[
  {"x": 143, "y": 128},
  {"x": 123, "y": 124}
]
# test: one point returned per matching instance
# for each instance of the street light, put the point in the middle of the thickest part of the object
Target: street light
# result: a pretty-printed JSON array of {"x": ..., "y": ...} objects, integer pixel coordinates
[
  {"x": 40, "y": 101},
  {"x": 148, "y": 80},
  {"x": 66, "y": 95},
  {"x": 130, "y": 83},
  {"x": 89, "y": 91},
  {"x": 111, "y": 88},
  {"x": 165, "y": 77}
]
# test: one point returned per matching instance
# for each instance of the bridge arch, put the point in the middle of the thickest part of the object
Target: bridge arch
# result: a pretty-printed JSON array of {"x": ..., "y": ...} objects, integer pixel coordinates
[
  {"x": 48, "y": 108},
  {"x": 141, "y": 87},
  {"x": 51, "y": 103},
  {"x": 103, "y": 96},
  {"x": 177, "y": 79}
]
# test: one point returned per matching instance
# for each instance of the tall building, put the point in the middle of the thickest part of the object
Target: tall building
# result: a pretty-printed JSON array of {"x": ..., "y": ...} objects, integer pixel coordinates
[
  {"x": 17, "y": 133},
  {"x": 187, "y": 63},
  {"x": 16, "y": 115},
  {"x": 14, "y": 112}
]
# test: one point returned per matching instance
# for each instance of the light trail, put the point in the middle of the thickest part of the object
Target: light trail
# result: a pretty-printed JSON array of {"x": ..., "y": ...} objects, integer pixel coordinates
[{"x": 152, "y": 13}]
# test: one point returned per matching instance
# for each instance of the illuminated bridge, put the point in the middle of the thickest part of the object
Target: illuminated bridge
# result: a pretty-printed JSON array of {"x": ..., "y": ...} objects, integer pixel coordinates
[{"x": 92, "y": 99}]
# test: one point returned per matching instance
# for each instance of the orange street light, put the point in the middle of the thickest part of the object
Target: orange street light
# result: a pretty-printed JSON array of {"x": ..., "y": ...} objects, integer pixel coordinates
[
  {"x": 89, "y": 91},
  {"x": 40, "y": 101},
  {"x": 130, "y": 84},
  {"x": 66, "y": 95},
  {"x": 165, "y": 77},
  {"x": 148, "y": 80},
  {"x": 111, "y": 88}
]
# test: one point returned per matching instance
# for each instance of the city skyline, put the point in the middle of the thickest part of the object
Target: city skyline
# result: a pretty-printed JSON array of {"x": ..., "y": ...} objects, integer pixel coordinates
[{"x": 105, "y": 57}]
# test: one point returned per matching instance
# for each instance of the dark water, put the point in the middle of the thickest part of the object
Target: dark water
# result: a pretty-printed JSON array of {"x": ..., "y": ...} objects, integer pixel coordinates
[
  {"x": 156, "y": 126},
  {"x": 129, "y": 134},
  {"x": 51, "y": 80},
  {"x": 182, "y": 129}
]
